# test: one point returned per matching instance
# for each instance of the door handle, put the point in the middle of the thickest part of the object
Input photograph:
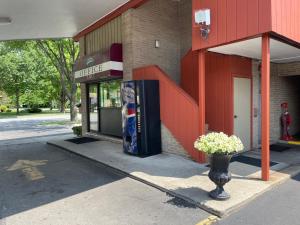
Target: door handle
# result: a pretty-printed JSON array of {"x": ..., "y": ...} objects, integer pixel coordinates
[{"x": 235, "y": 116}]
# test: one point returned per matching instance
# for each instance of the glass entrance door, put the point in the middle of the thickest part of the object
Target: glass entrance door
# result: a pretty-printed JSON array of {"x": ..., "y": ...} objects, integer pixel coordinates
[
  {"x": 93, "y": 108},
  {"x": 110, "y": 108}
]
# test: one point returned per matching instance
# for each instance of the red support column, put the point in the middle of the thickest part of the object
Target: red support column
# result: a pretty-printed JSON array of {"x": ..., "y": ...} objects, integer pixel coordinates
[
  {"x": 201, "y": 90},
  {"x": 265, "y": 107}
]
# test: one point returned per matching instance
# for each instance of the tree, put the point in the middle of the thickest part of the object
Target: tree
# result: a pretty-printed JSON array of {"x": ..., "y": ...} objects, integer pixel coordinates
[
  {"x": 63, "y": 54},
  {"x": 40, "y": 79},
  {"x": 16, "y": 74}
]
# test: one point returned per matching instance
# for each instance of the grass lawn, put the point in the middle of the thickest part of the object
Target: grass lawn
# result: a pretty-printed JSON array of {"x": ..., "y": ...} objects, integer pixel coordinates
[
  {"x": 13, "y": 114},
  {"x": 60, "y": 123}
]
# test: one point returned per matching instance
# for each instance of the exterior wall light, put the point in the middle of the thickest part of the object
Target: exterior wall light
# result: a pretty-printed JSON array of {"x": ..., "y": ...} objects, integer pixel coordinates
[
  {"x": 157, "y": 44},
  {"x": 5, "y": 20},
  {"x": 202, "y": 18}
]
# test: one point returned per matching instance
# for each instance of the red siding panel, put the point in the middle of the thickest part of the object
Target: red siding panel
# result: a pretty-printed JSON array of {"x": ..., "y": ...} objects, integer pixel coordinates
[
  {"x": 242, "y": 18},
  {"x": 220, "y": 70},
  {"x": 286, "y": 18},
  {"x": 232, "y": 20},
  {"x": 222, "y": 23},
  {"x": 253, "y": 10},
  {"x": 265, "y": 16}
]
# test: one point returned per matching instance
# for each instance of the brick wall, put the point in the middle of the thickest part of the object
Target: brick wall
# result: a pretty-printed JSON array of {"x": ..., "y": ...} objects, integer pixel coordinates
[
  {"x": 167, "y": 21},
  {"x": 185, "y": 25},
  {"x": 127, "y": 38},
  {"x": 256, "y": 103},
  {"x": 289, "y": 69},
  {"x": 170, "y": 144},
  {"x": 283, "y": 89},
  {"x": 84, "y": 108}
]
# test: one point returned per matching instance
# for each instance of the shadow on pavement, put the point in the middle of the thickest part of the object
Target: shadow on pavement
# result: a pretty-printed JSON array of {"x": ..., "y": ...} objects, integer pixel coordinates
[{"x": 35, "y": 174}]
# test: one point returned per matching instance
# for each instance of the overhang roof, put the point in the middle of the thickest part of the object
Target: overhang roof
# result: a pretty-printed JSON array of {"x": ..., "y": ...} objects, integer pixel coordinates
[
  {"x": 280, "y": 51},
  {"x": 34, "y": 19}
]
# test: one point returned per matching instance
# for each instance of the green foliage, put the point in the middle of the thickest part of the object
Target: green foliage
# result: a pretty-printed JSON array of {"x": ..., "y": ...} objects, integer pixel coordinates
[
  {"x": 34, "y": 110},
  {"x": 36, "y": 73},
  {"x": 27, "y": 76},
  {"x": 63, "y": 54},
  {"x": 4, "y": 99},
  {"x": 77, "y": 130},
  {"x": 3, "y": 108}
]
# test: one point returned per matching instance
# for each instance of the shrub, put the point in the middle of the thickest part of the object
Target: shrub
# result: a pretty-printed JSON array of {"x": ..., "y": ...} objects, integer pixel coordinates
[
  {"x": 34, "y": 110},
  {"x": 3, "y": 108},
  {"x": 77, "y": 130},
  {"x": 8, "y": 110}
]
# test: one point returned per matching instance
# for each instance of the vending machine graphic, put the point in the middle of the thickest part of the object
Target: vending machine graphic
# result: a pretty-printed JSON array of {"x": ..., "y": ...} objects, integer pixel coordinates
[{"x": 141, "y": 118}]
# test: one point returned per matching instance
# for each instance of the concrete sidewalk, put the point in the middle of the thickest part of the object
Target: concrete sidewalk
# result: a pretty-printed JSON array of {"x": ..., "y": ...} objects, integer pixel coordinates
[{"x": 184, "y": 178}]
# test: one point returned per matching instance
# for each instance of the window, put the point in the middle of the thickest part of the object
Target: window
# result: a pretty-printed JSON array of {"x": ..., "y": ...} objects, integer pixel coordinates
[
  {"x": 110, "y": 94},
  {"x": 93, "y": 107}
]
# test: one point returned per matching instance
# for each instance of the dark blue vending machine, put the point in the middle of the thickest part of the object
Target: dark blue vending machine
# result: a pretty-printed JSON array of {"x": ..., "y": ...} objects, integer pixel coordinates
[{"x": 141, "y": 118}]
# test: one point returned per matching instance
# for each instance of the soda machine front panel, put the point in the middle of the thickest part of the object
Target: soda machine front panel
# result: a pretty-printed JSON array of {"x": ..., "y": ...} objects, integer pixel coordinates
[{"x": 129, "y": 114}]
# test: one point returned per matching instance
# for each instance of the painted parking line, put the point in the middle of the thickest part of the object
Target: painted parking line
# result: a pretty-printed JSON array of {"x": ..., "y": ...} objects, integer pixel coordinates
[{"x": 208, "y": 221}]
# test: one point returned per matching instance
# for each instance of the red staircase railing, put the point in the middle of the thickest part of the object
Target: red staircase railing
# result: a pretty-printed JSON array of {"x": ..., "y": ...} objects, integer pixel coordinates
[{"x": 179, "y": 111}]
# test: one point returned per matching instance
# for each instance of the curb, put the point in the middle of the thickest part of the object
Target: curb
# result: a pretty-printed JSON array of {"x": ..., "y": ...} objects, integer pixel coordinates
[
  {"x": 217, "y": 213},
  {"x": 118, "y": 171}
]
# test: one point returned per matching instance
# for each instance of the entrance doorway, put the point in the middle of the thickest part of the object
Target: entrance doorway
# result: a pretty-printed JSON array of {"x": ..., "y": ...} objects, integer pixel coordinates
[
  {"x": 111, "y": 108},
  {"x": 242, "y": 110},
  {"x": 93, "y": 108},
  {"x": 105, "y": 112}
]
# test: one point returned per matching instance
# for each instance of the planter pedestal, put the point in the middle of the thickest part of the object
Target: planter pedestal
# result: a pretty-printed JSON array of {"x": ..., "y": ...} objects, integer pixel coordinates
[{"x": 219, "y": 174}]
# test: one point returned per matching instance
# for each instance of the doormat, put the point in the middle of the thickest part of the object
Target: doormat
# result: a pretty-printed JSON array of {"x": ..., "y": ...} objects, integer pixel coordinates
[
  {"x": 82, "y": 140},
  {"x": 279, "y": 148},
  {"x": 250, "y": 161},
  {"x": 294, "y": 142}
]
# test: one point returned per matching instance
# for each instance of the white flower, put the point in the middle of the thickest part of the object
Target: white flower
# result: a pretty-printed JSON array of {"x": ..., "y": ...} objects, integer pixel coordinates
[{"x": 218, "y": 143}]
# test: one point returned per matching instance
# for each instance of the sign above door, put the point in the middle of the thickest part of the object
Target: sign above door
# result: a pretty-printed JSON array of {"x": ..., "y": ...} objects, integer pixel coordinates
[{"x": 100, "y": 65}]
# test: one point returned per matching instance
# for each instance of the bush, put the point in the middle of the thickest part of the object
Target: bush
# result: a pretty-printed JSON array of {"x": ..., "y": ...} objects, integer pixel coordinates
[
  {"x": 219, "y": 143},
  {"x": 8, "y": 110},
  {"x": 3, "y": 108},
  {"x": 77, "y": 130},
  {"x": 34, "y": 110}
]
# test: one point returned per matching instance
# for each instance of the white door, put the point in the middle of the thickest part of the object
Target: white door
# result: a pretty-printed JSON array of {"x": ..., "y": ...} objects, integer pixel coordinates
[{"x": 242, "y": 110}]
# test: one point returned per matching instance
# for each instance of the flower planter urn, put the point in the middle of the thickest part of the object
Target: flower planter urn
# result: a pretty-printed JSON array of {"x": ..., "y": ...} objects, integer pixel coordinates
[{"x": 219, "y": 174}]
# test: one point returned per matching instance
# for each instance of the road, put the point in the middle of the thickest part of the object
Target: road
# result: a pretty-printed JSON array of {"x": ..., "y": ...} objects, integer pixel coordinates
[
  {"x": 15, "y": 129},
  {"x": 44, "y": 185},
  {"x": 280, "y": 206}
]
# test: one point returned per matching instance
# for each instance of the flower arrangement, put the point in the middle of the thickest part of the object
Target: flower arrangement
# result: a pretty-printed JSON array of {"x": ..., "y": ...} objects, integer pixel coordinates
[{"x": 218, "y": 143}]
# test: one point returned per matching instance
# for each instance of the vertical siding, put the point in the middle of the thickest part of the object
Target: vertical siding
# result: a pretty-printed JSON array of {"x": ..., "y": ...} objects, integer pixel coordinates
[
  {"x": 102, "y": 38},
  {"x": 286, "y": 18},
  {"x": 220, "y": 70},
  {"x": 81, "y": 47},
  {"x": 232, "y": 20}
]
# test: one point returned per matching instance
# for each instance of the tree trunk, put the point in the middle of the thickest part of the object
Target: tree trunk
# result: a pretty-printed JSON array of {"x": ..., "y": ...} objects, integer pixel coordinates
[
  {"x": 18, "y": 101},
  {"x": 73, "y": 108},
  {"x": 62, "y": 102}
]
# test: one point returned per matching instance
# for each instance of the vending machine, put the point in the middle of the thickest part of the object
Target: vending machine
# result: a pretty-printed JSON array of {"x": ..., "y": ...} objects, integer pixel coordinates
[{"x": 141, "y": 118}]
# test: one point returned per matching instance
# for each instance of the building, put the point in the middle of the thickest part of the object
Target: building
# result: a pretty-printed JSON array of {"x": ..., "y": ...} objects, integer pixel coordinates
[{"x": 229, "y": 74}]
